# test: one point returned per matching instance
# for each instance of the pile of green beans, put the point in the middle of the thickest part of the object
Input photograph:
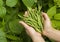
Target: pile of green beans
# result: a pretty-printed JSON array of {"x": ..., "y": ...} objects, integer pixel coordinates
[{"x": 34, "y": 19}]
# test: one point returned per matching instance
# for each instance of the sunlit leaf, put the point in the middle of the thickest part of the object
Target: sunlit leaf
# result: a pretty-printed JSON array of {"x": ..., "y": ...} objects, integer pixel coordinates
[
  {"x": 57, "y": 16},
  {"x": 52, "y": 11},
  {"x": 28, "y": 3},
  {"x": 56, "y": 24},
  {"x": 57, "y": 2}
]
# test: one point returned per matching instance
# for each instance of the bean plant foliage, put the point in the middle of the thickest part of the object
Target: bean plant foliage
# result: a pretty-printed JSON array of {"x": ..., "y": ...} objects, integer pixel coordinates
[{"x": 12, "y": 11}]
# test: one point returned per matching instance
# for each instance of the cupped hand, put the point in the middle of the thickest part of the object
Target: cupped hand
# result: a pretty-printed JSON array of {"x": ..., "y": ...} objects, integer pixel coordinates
[
  {"x": 46, "y": 23},
  {"x": 36, "y": 37},
  {"x": 48, "y": 30}
]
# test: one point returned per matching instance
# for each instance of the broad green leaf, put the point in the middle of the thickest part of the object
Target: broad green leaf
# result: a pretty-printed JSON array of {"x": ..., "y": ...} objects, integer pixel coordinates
[
  {"x": 52, "y": 11},
  {"x": 11, "y": 3},
  {"x": 2, "y": 36},
  {"x": 1, "y": 2},
  {"x": 56, "y": 23},
  {"x": 2, "y": 11},
  {"x": 15, "y": 27},
  {"x": 28, "y": 3},
  {"x": 57, "y": 16},
  {"x": 57, "y": 2}
]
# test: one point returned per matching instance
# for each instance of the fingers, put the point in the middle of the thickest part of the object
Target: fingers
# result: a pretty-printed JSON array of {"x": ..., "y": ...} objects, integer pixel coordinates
[
  {"x": 36, "y": 37},
  {"x": 28, "y": 28},
  {"x": 46, "y": 20},
  {"x": 45, "y": 16},
  {"x": 24, "y": 24},
  {"x": 26, "y": 13}
]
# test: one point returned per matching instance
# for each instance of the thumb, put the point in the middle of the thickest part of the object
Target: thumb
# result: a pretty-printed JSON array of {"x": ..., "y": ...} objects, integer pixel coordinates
[
  {"x": 46, "y": 20},
  {"x": 45, "y": 16}
]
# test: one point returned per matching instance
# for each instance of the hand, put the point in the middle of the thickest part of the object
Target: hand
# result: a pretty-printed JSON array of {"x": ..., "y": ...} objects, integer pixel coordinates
[
  {"x": 36, "y": 37},
  {"x": 46, "y": 21},
  {"x": 49, "y": 31}
]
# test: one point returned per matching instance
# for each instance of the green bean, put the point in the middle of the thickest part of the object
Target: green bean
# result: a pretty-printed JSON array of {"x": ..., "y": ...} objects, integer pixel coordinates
[{"x": 34, "y": 19}]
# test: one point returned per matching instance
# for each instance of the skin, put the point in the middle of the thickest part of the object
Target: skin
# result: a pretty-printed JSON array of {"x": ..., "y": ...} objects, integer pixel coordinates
[{"x": 48, "y": 30}]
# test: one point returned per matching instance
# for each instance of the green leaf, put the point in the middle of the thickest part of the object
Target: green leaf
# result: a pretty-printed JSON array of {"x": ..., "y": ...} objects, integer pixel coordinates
[
  {"x": 12, "y": 37},
  {"x": 2, "y": 36},
  {"x": 1, "y": 2},
  {"x": 15, "y": 27},
  {"x": 52, "y": 11},
  {"x": 57, "y": 16},
  {"x": 28, "y": 3},
  {"x": 57, "y": 2},
  {"x": 11, "y": 3},
  {"x": 2, "y": 11},
  {"x": 56, "y": 23}
]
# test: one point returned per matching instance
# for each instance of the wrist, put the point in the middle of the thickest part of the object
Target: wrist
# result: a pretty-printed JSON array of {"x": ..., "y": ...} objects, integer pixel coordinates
[
  {"x": 38, "y": 39},
  {"x": 47, "y": 31}
]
